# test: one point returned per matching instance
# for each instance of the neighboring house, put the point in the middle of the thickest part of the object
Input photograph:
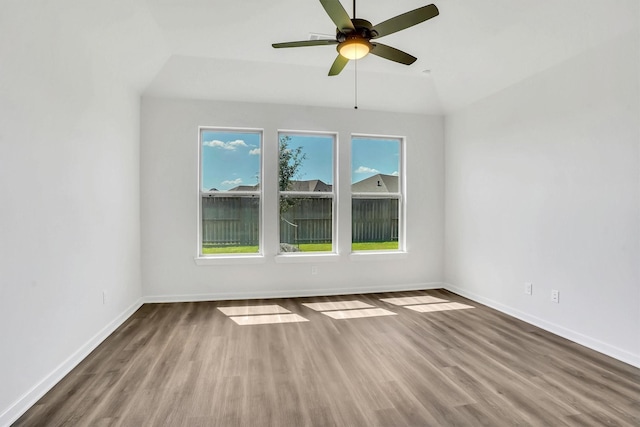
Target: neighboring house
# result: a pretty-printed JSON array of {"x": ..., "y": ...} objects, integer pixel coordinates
[
  {"x": 379, "y": 183},
  {"x": 309, "y": 185},
  {"x": 245, "y": 188},
  {"x": 376, "y": 184}
]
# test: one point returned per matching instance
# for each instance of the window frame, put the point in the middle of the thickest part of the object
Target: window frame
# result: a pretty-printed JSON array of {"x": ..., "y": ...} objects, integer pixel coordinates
[
  {"x": 400, "y": 195},
  {"x": 333, "y": 195},
  {"x": 230, "y": 258}
]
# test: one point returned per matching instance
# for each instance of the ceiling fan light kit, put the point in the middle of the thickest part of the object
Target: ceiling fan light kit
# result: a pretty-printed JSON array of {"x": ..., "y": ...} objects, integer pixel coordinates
[
  {"x": 353, "y": 36},
  {"x": 354, "y": 48}
]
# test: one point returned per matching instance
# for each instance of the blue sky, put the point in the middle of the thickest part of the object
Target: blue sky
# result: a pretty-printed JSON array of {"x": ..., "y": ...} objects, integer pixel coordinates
[
  {"x": 319, "y": 156},
  {"x": 370, "y": 156},
  {"x": 230, "y": 158}
]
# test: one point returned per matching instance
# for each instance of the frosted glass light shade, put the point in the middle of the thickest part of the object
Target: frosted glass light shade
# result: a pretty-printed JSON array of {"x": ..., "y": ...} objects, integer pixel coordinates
[{"x": 355, "y": 48}]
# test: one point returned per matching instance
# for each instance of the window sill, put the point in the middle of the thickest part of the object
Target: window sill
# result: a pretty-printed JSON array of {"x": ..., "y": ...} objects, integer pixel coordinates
[
  {"x": 230, "y": 260},
  {"x": 308, "y": 257},
  {"x": 378, "y": 256}
]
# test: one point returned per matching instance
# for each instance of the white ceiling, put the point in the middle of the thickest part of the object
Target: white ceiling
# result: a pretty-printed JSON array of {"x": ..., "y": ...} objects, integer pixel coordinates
[{"x": 474, "y": 48}]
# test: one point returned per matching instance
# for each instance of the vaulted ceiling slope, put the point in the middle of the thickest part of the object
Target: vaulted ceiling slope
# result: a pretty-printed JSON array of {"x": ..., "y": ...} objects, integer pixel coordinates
[
  {"x": 54, "y": 47},
  {"x": 472, "y": 49},
  {"x": 214, "y": 49}
]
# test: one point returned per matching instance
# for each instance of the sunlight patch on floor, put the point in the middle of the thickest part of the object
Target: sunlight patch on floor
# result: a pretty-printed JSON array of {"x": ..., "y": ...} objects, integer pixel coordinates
[
  {"x": 336, "y": 305},
  {"x": 356, "y": 314},
  {"x": 413, "y": 300},
  {"x": 426, "y": 308},
  {"x": 266, "y": 319},
  {"x": 260, "y": 314},
  {"x": 245, "y": 310}
]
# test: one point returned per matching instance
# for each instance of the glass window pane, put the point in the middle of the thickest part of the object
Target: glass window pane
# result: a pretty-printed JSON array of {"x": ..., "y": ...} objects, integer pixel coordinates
[
  {"x": 375, "y": 168},
  {"x": 375, "y": 165},
  {"x": 307, "y": 226},
  {"x": 306, "y": 163},
  {"x": 306, "y": 166},
  {"x": 374, "y": 224},
  {"x": 230, "y": 225},
  {"x": 230, "y": 163}
]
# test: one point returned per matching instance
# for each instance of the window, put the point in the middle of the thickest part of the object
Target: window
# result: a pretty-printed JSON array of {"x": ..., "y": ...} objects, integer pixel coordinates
[
  {"x": 231, "y": 218},
  {"x": 376, "y": 193},
  {"x": 230, "y": 175},
  {"x": 306, "y": 192}
]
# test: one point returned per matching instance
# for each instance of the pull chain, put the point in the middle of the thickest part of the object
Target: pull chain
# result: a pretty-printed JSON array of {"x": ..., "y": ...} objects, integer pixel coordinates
[
  {"x": 355, "y": 67},
  {"x": 356, "y": 84}
]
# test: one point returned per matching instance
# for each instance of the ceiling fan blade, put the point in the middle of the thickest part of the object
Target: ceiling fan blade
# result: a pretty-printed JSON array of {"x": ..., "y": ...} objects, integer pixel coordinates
[
  {"x": 338, "y": 65},
  {"x": 406, "y": 20},
  {"x": 392, "y": 54},
  {"x": 338, "y": 15},
  {"x": 305, "y": 43}
]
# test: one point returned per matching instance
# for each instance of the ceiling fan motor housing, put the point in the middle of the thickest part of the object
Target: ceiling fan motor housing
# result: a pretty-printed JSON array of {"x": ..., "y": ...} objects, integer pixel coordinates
[{"x": 364, "y": 30}]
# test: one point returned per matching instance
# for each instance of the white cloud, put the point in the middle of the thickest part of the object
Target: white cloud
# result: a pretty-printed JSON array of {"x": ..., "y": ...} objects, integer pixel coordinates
[
  {"x": 254, "y": 152},
  {"x": 231, "y": 145},
  {"x": 236, "y": 181},
  {"x": 214, "y": 143},
  {"x": 237, "y": 143},
  {"x": 395, "y": 173},
  {"x": 364, "y": 169}
]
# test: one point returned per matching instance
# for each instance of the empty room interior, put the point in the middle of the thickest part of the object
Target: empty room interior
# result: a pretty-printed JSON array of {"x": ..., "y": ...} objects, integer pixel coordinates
[{"x": 222, "y": 213}]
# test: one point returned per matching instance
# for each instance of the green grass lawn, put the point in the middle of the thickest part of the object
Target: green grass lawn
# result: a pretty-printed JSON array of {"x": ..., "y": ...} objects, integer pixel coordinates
[
  {"x": 304, "y": 247},
  {"x": 230, "y": 250},
  {"x": 374, "y": 246}
]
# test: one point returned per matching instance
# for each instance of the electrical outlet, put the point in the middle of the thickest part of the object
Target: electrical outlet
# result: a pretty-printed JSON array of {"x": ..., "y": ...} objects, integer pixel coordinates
[
  {"x": 314, "y": 270},
  {"x": 555, "y": 296},
  {"x": 104, "y": 297},
  {"x": 528, "y": 288}
]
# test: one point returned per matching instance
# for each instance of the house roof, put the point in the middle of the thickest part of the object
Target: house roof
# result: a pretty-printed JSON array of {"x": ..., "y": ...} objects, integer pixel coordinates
[
  {"x": 244, "y": 188},
  {"x": 378, "y": 183},
  {"x": 308, "y": 185}
]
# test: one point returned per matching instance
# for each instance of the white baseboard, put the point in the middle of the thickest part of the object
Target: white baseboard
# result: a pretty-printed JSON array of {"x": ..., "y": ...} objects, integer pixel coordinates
[
  {"x": 290, "y": 293},
  {"x": 592, "y": 343},
  {"x": 20, "y": 406}
]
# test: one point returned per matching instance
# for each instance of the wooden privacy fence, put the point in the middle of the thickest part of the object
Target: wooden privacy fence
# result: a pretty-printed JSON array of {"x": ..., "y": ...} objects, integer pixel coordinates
[
  {"x": 374, "y": 220},
  {"x": 234, "y": 221},
  {"x": 230, "y": 221},
  {"x": 308, "y": 221}
]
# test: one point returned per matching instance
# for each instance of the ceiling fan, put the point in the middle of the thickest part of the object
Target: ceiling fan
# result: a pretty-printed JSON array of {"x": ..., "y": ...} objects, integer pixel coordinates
[{"x": 354, "y": 36}]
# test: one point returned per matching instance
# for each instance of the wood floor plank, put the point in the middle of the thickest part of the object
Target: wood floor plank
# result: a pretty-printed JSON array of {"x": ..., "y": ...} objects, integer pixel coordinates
[{"x": 188, "y": 364}]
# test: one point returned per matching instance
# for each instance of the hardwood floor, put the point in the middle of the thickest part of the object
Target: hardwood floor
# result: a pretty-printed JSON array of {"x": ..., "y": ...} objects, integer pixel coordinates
[{"x": 190, "y": 364}]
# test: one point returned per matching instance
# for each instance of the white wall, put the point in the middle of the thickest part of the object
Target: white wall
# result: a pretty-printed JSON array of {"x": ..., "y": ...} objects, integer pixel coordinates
[
  {"x": 69, "y": 187},
  {"x": 543, "y": 186},
  {"x": 169, "y": 187}
]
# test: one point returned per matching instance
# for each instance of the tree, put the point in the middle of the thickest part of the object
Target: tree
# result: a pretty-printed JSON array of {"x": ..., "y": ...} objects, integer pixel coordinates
[{"x": 290, "y": 161}]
